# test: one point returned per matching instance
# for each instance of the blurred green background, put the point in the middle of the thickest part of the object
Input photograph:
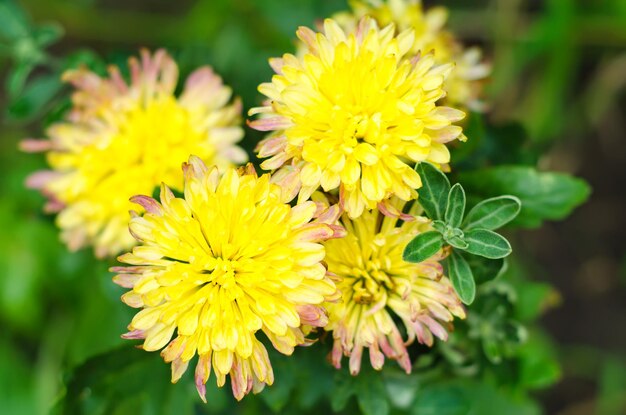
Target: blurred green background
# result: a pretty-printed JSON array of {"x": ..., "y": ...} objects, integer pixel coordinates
[{"x": 559, "y": 69}]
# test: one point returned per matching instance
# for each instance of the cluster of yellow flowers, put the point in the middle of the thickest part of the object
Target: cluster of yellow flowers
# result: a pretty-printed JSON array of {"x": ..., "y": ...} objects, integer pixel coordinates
[{"x": 316, "y": 244}]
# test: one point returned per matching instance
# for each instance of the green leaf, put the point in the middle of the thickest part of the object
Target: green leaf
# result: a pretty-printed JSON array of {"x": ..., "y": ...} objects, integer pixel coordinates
[
  {"x": 16, "y": 78},
  {"x": 126, "y": 378},
  {"x": 461, "y": 276},
  {"x": 402, "y": 389},
  {"x": 456, "y": 206},
  {"x": 492, "y": 213},
  {"x": 493, "y": 145},
  {"x": 371, "y": 395},
  {"x": 544, "y": 195},
  {"x": 484, "y": 269},
  {"x": 457, "y": 242},
  {"x": 439, "y": 226},
  {"x": 433, "y": 195},
  {"x": 491, "y": 398},
  {"x": 422, "y": 247},
  {"x": 35, "y": 97},
  {"x": 85, "y": 57},
  {"x": 279, "y": 394},
  {"x": 487, "y": 244},
  {"x": 14, "y": 23},
  {"x": 538, "y": 365},
  {"x": 440, "y": 400},
  {"x": 47, "y": 34},
  {"x": 344, "y": 389},
  {"x": 533, "y": 299}
]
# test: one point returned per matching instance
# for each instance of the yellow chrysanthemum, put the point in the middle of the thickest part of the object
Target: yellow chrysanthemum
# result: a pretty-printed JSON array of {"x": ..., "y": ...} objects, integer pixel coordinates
[
  {"x": 379, "y": 288},
  {"x": 355, "y": 113},
  {"x": 228, "y": 260},
  {"x": 464, "y": 85},
  {"x": 120, "y": 140}
]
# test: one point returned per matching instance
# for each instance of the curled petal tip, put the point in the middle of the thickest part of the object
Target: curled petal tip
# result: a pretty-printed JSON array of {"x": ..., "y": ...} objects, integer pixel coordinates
[
  {"x": 134, "y": 334},
  {"x": 148, "y": 203}
]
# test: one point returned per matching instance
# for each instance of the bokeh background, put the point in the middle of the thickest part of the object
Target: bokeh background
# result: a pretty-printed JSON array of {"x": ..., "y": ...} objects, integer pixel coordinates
[{"x": 559, "y": 69}]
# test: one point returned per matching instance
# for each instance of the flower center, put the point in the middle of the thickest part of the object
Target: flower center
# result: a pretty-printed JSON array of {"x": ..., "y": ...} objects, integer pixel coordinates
[
  {"x": 371, "y": 282},
  {"x": 221, "y": 271},
  {"x": 145, "y": 147}
]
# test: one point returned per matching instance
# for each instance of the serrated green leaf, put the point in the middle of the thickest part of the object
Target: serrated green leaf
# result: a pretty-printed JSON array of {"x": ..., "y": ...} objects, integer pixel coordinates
[
  {"x": 422, "y": 247},
  {"x": 487, "y": 244},
  {"x": 484, "y": 269},
  {"x": 492, "y": 213},
  {"x": 544, "y": 195},
  {"x": 455, "y": 207},
  {"x": 461, "y": 277},
  {"x": 433, "y": 195}
]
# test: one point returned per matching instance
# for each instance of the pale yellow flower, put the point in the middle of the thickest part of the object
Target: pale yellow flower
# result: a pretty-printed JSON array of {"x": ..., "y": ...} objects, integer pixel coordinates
[
  {"x": 213, "y": 269},
  {"x": 124, "y": 139},
  {"x": 380, "y": 292},
  {"x": 464, "y": 85},
  {"x": 354, "y": 114}
]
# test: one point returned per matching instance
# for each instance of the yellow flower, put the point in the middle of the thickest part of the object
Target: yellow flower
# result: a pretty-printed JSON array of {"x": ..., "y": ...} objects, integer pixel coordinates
[
  {"x": 464, "y": 85},
  {"x": 214, "y": 268},
  {"x": 355, "y": 113},
  {"x": 124, "y": 139},
  {"x": 380, "y": 290}
]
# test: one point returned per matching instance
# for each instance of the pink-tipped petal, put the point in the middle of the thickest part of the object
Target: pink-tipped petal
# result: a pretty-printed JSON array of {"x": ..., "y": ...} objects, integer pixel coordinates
[
  {"x": 148, "y": 203},
  {"x": 31, "y": 145},
  {"x": 270, "y": 124}
]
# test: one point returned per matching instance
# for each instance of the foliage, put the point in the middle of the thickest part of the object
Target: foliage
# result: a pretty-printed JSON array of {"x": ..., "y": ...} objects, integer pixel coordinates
[
  {"x": 466, "y": 238},
  {"x": 61, "y": 314}
]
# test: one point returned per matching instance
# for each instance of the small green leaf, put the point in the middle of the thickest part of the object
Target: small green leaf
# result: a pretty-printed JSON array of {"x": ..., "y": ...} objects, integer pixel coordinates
[
  {"x": 47, "y": 34},
  {"x": 34, "y": 98},
  {"x": 433, "y": 195},
  {"x": 439, "y": 226},
  {"x": 492, "y": 213},
  {"x": 461, "y": 276},
  {"x": 493, "y": 349},
  {"x": 487, "y": 244},
  {"x": 484, "y": 269},
  {"x": 16, "y": 78},
  {"x": 422, "y": 247},
  {"x": 457, "y": 242},
  {"x": 544, "y": 195},
  {"x": 456, "y": 206}
]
